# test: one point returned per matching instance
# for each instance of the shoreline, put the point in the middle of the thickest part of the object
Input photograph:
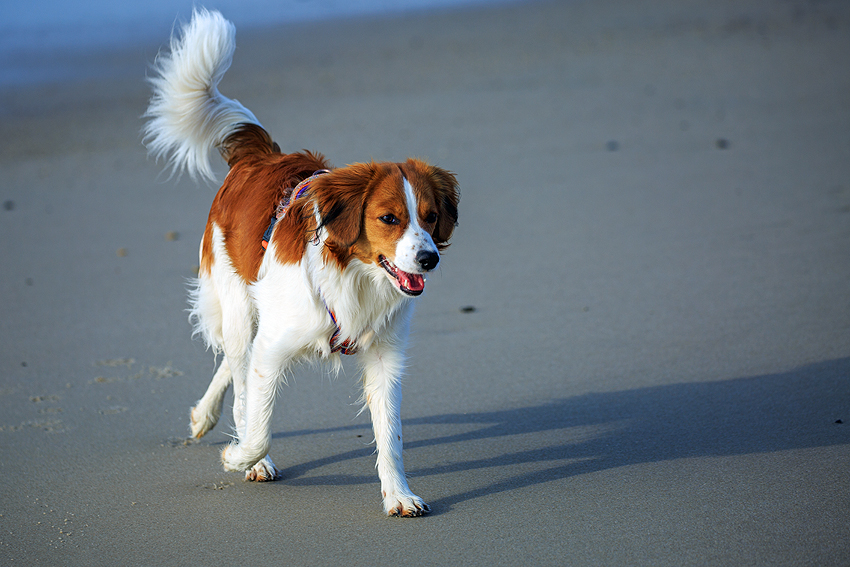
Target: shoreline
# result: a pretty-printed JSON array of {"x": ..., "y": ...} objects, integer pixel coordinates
[{"x": 75, "y": 46}]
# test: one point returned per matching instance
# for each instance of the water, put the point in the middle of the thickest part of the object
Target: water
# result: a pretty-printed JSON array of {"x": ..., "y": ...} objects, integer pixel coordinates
[{"x": 38, "y": 37}]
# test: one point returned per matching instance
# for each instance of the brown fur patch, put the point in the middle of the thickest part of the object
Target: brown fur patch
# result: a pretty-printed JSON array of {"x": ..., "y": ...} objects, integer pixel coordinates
[
  {"x": 293, "y": 232},
  {"x": 385, "y": 198},
  {"x": 207, "y": 256},
  {"x": 342, "y": 198},
  {"x": 350, "y": 201},
  {"x": 247, "y": 140},
  {"x": 246, "y": 202},
  {"x": 438, "y": 188}
]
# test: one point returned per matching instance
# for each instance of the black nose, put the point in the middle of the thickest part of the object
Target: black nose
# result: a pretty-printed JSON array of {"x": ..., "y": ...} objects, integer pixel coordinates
[{"x": 427, "y": 260}]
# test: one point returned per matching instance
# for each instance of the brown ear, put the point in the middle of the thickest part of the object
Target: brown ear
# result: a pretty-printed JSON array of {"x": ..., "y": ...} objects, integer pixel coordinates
[
  {"x": 341, "y": 197},
  {"x": 448, "y": 197}
]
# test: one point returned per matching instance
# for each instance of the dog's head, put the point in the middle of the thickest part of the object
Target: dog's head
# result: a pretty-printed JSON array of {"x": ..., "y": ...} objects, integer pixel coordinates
[{"x": 396, "y": 216}]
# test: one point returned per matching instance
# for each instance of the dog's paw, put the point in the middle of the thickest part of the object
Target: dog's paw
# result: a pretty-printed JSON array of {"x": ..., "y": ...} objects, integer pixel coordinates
[
  {"x": 405, "y": 505},
  {"x": 233, "y": 459},
  {"x": 201, "y": 422},
  {"x": 263, "y": 471}
]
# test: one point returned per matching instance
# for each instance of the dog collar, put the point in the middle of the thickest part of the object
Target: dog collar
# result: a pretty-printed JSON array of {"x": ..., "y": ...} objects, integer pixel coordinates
[
  {"x": 289, "y": 197},
  {"x": 347, "y": 346}
]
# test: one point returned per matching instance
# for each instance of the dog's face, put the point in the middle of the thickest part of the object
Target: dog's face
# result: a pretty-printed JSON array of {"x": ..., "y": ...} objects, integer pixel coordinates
[{"x": 394, "y": 216}]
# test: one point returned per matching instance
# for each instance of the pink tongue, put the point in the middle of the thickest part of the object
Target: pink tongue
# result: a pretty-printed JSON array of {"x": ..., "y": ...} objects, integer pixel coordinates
[{"x": 413, "y": 282}]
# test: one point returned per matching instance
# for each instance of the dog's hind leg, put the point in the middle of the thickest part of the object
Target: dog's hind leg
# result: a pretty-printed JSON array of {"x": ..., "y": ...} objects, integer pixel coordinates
[
  {"x": 206, "y": 318},
  {"x": 207, "y": 411}
]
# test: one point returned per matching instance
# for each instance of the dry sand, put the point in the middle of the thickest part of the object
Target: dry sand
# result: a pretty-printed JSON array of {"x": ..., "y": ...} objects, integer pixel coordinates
[{"x": 654, "y": 236}]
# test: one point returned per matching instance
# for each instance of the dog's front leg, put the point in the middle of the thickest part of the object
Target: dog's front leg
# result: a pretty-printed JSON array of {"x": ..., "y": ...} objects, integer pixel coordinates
[
  {"x": 382, "y": 367},
  {"x": 250, "y": 452}
]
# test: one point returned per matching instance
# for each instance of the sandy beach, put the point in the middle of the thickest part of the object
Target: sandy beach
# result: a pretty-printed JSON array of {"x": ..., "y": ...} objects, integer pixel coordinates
[{"x": 635, "y": 352}]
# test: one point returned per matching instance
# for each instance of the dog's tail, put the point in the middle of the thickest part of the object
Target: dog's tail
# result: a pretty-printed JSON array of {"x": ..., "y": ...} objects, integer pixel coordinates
[{"x": 187, "y": 116}]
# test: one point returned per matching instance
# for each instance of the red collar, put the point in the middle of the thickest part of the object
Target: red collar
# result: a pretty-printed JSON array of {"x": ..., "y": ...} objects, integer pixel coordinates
[
  {"x": 348, "y": 346},
  {"x": 289, "y": 197}
]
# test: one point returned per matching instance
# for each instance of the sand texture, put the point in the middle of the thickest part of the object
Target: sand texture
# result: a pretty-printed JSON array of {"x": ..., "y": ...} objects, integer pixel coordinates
[{"x": 636, "y": 351}]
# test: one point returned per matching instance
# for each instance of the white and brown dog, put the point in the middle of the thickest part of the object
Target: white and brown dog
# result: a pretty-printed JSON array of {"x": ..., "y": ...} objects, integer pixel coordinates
[{"x": 299, "y": 261}]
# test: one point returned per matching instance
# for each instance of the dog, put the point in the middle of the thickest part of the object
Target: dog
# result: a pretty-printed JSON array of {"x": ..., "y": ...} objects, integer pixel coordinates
[{"x": 299, "y": 261}]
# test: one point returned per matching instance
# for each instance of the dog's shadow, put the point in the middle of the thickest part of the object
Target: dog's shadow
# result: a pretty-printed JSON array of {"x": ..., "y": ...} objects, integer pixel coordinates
[{"x": 806, "y": 407}]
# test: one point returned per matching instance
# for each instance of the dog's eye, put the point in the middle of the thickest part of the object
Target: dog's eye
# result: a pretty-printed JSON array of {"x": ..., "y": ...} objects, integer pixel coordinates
[
  {"x": 431, "y": 218},
  {"x": 389, "y": 219}
]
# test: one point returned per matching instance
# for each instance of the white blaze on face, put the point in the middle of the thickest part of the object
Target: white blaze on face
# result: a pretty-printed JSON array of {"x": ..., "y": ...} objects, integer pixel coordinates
[{"x": 415, "y": 238}]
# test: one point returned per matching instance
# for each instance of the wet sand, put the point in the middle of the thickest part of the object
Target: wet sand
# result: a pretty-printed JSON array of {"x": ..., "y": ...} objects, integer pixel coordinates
[{"x": 636, "y": 352}]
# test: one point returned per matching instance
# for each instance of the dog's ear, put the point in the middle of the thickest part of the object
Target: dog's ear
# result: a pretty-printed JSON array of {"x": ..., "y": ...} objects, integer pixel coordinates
[
  {"x": 341, "y": 198},
  {"x": 448, "y": 196}
]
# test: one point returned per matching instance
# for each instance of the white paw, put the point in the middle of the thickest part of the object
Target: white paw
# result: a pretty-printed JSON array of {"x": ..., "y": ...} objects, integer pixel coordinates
[
  {"x": 406, "y": 505},
  {"x": 233, "y": 458},
  {"x": 201, "y": 422},
  {"x": 263, "y": 471}
]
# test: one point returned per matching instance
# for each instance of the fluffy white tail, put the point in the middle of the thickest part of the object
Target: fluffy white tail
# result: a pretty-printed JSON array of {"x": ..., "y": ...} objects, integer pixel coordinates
[{"x": 187, "y": 116}]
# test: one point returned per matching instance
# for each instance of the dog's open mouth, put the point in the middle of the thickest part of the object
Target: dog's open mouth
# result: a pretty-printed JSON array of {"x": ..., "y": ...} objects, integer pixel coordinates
[{"x": 410, "y": 284}]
